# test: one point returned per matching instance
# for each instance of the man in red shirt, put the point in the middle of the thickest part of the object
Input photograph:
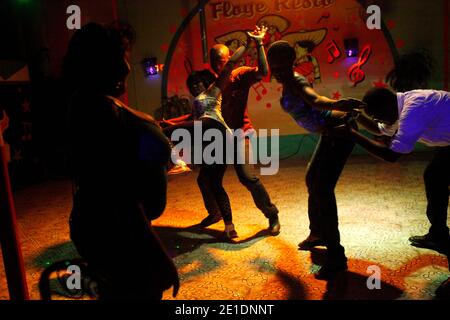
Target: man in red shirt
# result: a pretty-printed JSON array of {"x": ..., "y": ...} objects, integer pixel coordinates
[{"x": 235, "y": 114}]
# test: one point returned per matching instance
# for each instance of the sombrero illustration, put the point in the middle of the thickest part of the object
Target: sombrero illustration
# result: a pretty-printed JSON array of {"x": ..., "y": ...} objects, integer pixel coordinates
[
  {"x": 230, "y": 36},
  {"x": 315, "y": 36},
  {"x": 281, "y": 23}
]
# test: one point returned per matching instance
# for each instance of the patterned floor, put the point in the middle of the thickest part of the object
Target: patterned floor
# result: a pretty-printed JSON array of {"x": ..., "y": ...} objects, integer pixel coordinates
[{"x": 380, "y": 206}]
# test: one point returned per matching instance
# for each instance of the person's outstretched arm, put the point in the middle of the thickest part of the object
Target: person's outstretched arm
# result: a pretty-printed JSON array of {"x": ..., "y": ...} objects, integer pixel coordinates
[
  {"x": 318, "y": 101},
  {"x": 378, "y": 149},
  {"x": 369, "y": 124},
  {"x": 177, "y": 120}
]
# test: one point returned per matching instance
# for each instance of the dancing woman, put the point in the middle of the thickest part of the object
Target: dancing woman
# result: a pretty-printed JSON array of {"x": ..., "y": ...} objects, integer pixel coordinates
[{"x": 316, "y": 114}]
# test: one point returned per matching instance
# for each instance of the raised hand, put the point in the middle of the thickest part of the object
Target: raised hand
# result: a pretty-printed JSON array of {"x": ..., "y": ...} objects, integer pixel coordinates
[{"x": 258, "y": 34}]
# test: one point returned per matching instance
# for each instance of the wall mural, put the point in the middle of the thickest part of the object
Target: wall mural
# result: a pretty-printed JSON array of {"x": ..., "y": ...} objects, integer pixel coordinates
[{"x": 335, "y": 50}]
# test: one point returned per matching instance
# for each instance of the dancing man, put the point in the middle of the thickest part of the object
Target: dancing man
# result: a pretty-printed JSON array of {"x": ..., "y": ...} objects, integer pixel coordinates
[
  {"x": 235, "y": 114},
  {"x": 317, "y": 114}
]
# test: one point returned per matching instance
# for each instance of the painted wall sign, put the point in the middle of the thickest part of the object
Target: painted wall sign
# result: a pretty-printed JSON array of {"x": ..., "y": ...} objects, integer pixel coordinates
[
  {"x": 240, "y": 9},
  {"x": 317, "y": 29}
]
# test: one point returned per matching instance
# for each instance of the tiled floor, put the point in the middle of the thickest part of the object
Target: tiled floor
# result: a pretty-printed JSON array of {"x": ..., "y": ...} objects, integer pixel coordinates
[{"x": 380, "y": 206}]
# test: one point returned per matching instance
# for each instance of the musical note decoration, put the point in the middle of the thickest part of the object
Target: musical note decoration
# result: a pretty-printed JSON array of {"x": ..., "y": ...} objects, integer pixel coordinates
[
  {"x": 257, "y": 88},
  {"x": 333, "y": 51},
  {"x": 355, "y": 73}
]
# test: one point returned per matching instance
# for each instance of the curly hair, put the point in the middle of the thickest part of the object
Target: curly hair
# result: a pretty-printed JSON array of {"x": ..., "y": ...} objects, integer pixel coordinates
[{"x": 205, "y": 76}]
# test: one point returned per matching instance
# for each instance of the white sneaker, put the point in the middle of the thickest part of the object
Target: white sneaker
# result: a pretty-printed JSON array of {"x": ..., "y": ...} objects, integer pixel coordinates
[{"x": 179, "y": 167}]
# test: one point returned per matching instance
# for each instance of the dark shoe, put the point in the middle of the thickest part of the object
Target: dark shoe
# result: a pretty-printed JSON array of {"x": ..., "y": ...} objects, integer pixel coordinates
[
  {"x": 274, "y": 225},
  {"x": 429, "y": 242},
  {"x": 331, "y": 270},
  {"x": 210, "y": 220},
  {"x": 230, "y": 233},
  {"x": 310, "y": 243}
]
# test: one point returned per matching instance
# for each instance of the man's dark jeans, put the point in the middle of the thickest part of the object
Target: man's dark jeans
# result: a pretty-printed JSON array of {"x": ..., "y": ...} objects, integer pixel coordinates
[
  {"x": 437, "y": 182},
  {"x": 253, "y": 184},
  {"x": 322, "y": 175}
]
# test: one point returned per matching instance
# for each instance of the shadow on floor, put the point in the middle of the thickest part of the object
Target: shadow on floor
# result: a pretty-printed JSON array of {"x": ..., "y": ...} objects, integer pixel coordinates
[
  {"x": 53, "y": 263},
  {"x": 177, "y": 241},
  {"x": 61, "y": 251},
  {"x": 195, "y": 244},
  {"x": 180, "y": 240},
  {"x": 296, "y": 289},
  {"x": 352, "y": 285},
  {"x": 190, "y": 241}
]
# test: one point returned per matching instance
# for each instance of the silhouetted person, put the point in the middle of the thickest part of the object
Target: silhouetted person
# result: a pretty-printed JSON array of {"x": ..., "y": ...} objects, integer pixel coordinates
[
  {"x": 410, "y": 117},
  {"x": 316, "y": 114},
  {"x": 118, "y": 162},
  {"x": 407, "y": 118}
]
